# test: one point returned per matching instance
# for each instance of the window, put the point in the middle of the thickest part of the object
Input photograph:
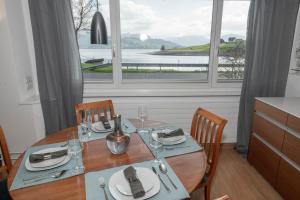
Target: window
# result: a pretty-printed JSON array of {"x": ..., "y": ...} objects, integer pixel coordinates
[
  {"x": 172, "y": 42},
  {"x": 165, "y": 39},
  {"x": 233, "y": 41},
  {"x": 96, "y": 59}
]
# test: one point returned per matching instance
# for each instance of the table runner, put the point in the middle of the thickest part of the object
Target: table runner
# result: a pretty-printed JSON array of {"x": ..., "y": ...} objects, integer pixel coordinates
[
  {"x": 93, "y": 190},
  {"x": 189, "y": 146},
  {"x": 24, "y": 173},
  {"x": 127, "y": 128}
]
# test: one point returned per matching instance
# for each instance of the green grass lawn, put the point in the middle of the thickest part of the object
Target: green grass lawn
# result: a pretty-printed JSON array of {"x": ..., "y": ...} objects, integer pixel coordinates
[{"x": 108, "y": 69}]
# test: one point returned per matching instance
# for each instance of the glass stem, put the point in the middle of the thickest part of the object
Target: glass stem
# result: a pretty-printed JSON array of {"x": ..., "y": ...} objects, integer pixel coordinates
[{"x": 142, "y": 123}]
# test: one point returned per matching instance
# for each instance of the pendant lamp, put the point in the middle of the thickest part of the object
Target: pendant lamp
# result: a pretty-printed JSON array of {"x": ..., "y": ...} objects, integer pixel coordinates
[{"x": 98, "y": 28}]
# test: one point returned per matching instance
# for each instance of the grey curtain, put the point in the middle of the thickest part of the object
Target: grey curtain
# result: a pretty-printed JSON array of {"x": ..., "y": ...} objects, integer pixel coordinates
[
  {"x": 57, "y": 62},
  {"x": 271, "y": 28}
]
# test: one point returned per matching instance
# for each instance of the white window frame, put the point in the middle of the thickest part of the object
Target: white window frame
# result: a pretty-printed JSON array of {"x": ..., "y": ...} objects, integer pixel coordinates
[{"x": 119, "y": 87}]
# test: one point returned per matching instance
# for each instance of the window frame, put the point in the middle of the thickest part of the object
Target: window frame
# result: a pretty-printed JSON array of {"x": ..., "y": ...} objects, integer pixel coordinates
[{"x": 153, "y": 87}]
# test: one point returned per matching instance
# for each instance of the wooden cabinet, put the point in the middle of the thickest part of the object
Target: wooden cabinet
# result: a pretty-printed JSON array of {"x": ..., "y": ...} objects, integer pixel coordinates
[
  {"x": 264, "y": 160},
  {"x": 293, "y": 123},
  {"x": 274, "y": 148},
  {"x": 291, "y": 148},
  {"x": 271, "y": 111},
  {"x": 268, "y": 131},
  {"x": 288, "y": 181}
]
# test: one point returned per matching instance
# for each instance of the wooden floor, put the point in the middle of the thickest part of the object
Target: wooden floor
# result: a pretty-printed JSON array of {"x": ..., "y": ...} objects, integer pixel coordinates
[{"x": 239, "y": 180}]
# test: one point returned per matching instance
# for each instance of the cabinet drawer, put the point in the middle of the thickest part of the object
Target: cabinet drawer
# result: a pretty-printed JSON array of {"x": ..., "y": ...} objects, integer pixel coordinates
[
  {"x": 291, "y": 147},
  {"x": 268, "y": 131},
  {"x": 288, "y": 181},
  {"x": 293, "y": 123},
  {"x": 263, "y": 159},
  {"x": 271, "y": 111}
]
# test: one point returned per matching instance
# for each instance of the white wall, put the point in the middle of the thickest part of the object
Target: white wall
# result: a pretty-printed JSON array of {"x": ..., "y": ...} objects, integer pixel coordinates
[
  {"x": 293, "y": 84},
  {"x": 20, "y": 112},
  {"x": 179, "y": 110}
]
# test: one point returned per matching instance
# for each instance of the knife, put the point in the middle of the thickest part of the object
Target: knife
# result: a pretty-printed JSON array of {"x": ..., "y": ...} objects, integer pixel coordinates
[{"x": 167, "y": 188}]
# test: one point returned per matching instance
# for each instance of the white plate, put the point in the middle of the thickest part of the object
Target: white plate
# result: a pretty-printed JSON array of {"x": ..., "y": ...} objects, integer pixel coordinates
[
  {"x": 168, "y": 141},
  {"x": 120, "y": 189},
  {"x": 98, "y": 126},
  {"x": 48, "y": 164}
]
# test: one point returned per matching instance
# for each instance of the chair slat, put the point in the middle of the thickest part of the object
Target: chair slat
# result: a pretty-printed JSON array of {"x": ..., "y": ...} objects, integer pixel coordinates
[{"x": 100, "y": 107}]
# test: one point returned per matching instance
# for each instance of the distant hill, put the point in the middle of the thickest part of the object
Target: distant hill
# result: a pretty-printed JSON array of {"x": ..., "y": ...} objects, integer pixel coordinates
[
  {"x": 130, "y": 41},
  {"x": 190, "y": 40},
  {"x": 225, "y": 37}
]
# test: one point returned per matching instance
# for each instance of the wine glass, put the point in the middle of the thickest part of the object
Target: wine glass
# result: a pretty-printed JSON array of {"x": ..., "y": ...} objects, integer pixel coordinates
[
  {"x": 89, "y": 121},
  {"x": 156, "y": 146},
  {"x": 83, "y": 125},
  {"x": 75, "y": 149},
  {"x": 142, "y": 114}
]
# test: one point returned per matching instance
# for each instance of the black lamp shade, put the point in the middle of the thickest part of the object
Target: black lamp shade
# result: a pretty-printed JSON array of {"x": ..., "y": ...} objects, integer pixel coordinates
[{"x": 98, "y": 29}]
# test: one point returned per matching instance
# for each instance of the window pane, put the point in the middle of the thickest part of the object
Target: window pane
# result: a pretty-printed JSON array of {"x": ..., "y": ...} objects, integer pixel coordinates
[
  {"x": 232, "y": 43},
  {"x": 165, "y": 39},
  {"x": 96, "y": 59}
]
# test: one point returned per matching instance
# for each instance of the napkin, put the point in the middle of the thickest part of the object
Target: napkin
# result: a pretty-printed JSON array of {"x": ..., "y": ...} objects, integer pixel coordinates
[
  {"x": 134, "y": 182},
  {"x": 35, "y": 158},
  {"x": 105, "y": 123},
  {"x": 175, "y": 133}
]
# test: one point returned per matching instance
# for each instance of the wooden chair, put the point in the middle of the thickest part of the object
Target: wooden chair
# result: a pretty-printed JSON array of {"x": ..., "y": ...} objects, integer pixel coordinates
[
  {"x": 7, "y": 165},
  {"x": 207, "y": 129},
  {"x": 98, "y": 109}
]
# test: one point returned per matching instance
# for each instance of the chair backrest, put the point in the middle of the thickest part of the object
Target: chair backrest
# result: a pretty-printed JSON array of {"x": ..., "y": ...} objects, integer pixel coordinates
[
  {"x": 98, "y": 109},
  {"x": 207, "y": 129},
  {"x": 5, "y": 151}
]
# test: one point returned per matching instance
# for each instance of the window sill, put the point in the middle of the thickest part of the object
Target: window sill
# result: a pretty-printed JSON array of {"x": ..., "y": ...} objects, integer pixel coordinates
[{"x": 162, "y": 92}]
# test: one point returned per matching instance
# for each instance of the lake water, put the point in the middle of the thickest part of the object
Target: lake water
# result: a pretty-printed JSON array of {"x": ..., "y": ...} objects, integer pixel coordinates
[{"x": 141, "y": 56}]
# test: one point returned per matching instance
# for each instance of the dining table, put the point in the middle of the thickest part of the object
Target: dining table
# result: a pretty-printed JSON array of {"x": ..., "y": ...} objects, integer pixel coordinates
[{"x": 189, "y": 168}]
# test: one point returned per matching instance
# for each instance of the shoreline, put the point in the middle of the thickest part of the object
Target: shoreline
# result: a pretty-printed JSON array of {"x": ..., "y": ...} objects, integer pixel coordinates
[{"x": 178, "y": 53}]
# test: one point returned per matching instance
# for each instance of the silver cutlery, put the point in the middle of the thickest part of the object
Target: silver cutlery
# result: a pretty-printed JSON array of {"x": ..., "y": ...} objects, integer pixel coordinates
[
  {"x": 163, "y": 169},
  {"x": 172, "y": 148},
  {"x": 54, "y": 175},
  {"x": 167, "y": 188},
  {"x": 65, "y": 144},
  {"x": 102, "y": 185}
]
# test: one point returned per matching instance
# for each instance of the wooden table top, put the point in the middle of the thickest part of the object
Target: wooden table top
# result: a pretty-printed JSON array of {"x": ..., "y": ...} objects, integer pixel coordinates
[{"x": 189, "y": 168}]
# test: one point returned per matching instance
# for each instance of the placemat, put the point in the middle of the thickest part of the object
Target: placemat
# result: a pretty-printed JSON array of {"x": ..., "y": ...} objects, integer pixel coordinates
[
  {"x": 93, "y": 190},
  {"x": 127, "y": 128},
  {"x": 189, "y": 146},
  {"x": 23, "y": 173}
]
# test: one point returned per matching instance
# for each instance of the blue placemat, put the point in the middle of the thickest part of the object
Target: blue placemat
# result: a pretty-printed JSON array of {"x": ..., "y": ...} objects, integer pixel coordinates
[
  {"x": 127, "y": 128},
  {"x": 23, "y": 173},
  {"x": 189, "y": 146},
  {"x": 93, "y": 191}
]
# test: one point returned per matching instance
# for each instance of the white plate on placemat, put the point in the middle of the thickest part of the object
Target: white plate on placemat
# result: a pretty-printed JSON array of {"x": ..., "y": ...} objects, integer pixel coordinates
[
  {"x": 48, "y": 164},
  {"x": 168, "y": 141},
  {"x": 120, "y": 189},
  {"x": 99, "y": 128}
]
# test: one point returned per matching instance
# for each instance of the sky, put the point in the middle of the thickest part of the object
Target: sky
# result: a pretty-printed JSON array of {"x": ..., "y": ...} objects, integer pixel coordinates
[{"x": 177, "y": 18}]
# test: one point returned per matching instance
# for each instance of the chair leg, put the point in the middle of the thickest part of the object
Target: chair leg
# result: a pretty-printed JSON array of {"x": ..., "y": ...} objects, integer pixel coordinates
[{"x": 207, "y": 192}]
